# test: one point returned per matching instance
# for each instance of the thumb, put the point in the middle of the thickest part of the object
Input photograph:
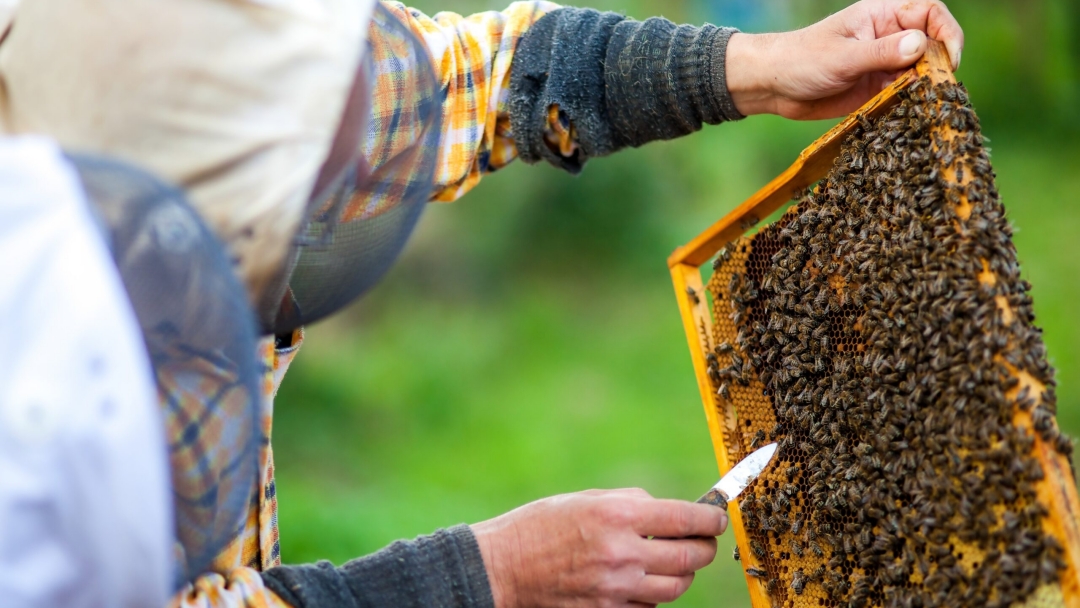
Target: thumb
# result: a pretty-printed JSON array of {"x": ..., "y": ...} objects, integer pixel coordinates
[{"x": 891, "y": 53}]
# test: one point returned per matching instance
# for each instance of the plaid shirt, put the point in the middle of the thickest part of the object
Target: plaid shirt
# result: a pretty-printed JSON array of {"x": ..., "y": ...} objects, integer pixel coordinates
[{"x": 472, "y": 57}]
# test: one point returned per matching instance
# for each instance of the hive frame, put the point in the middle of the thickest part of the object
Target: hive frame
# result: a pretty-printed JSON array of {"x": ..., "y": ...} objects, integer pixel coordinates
[{"x": 1058, "y": 492}]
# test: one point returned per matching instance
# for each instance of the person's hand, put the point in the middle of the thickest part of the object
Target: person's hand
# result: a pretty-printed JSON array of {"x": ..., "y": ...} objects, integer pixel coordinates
[
  {"x": 593, "y": 549},
  {"x": 836, "y": 65}
]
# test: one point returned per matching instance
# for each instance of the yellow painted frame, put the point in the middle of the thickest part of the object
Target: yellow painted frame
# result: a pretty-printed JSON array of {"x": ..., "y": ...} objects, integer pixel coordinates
[{"x": 1058, "y": 492}]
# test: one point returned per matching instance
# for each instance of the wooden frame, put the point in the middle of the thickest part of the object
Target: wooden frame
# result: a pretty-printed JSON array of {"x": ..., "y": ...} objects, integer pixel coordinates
[{"x": 1058, "y": 492}]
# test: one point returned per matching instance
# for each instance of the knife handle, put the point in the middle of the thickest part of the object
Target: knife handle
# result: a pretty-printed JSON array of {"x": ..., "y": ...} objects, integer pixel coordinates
[{"x": 714, "y": 497}]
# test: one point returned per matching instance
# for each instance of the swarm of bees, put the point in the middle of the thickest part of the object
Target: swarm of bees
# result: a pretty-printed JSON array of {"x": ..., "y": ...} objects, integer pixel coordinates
[{"x": 875, "y": 332}]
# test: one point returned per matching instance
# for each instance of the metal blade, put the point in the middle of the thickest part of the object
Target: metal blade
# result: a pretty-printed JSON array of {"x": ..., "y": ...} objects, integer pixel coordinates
[{"x": 743, "y": 474}]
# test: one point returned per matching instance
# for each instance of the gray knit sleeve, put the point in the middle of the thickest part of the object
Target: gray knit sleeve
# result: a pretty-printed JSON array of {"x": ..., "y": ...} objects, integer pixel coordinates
[
  {"x": 443, "y": 570},
  {"x": 617, "y": 81}
]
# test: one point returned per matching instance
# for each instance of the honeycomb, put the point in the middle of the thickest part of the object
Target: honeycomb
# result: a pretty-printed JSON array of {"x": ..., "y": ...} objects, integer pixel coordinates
[{"x": 880, "y": 332}]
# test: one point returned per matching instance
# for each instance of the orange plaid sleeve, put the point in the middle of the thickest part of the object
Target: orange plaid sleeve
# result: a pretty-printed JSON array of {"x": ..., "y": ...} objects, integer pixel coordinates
[
  {"x": 234, "y": 580},
  {"x": 242, "y": 588},
  {"x": 472, "y": 56}
]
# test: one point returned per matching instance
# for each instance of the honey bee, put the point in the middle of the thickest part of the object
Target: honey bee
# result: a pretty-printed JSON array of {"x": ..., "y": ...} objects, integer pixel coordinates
[
  {"x": 798, "y": 582},
  {"x": 757, "y": 549},
  {"x": 693, "y": 294},
  {"x": 797, "y": 524},
  {"x": 1064, "y": 445},
  {"x": 724, "y": 391},
  {"x": 758, "y": 438}
]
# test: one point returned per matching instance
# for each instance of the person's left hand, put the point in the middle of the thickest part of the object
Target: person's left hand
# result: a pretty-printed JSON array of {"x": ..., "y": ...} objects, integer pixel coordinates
[{"x": 833, "y": 67}]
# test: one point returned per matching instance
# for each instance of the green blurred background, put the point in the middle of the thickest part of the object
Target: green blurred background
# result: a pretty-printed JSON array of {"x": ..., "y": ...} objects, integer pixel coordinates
[{"x": 528, "y": 343}]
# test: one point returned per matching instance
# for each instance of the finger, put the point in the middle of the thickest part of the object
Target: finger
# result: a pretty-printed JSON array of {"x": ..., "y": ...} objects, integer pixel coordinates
[
  {"x": 671, "y": 557},
  {"x": 627, "y": 492},
  {"x": 944, "y": 27},
  {"x": 656, "y": 589},
  {"x": 934, "y": 18},
  {"x": 679, "y": 519},
  {"x": 888, "y": 54}
]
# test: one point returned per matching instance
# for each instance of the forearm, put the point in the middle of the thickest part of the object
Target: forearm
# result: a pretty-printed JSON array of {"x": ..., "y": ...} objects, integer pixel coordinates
[
  {"x": 608, "y": 82},
  {"x": 444, "y": 569},
  {"x": 561, "y": 84}
]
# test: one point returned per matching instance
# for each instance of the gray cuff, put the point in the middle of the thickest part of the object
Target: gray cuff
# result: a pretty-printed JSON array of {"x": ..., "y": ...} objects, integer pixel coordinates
[
  {"x": 444, "y": 569},
  {"x": 619, "y": 82},
  {"x": 718, "y": 74}
]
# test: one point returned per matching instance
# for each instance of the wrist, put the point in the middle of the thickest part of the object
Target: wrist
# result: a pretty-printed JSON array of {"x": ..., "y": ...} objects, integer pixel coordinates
[
  {"x": 497, "y": 562},
  {"x": 752, "y": 74}
]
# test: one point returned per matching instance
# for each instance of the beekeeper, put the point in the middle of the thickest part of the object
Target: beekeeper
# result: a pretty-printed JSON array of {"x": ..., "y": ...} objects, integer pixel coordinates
[{"x": 309, "y": 135}]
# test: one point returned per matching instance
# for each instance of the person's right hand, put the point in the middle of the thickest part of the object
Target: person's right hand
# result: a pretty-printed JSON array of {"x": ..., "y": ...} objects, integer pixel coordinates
[
  {"x": 833, "y": 67},
  {"x": 593, "y": 549}
]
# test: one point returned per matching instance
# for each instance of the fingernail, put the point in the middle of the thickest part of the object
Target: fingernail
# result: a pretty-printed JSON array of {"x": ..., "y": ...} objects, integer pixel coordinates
[
  {"x": 954, "y": 53},
  {"x": 910, "y": 44}
]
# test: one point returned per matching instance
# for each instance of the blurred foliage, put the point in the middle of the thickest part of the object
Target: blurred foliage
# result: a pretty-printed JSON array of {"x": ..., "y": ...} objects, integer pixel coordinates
[{"x": 529, "y": 344}]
